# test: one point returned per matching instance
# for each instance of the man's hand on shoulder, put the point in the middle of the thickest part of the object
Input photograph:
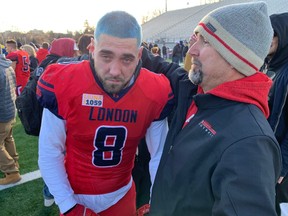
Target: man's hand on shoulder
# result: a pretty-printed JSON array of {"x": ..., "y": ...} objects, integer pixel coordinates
[{"x": 80, "y": 210}]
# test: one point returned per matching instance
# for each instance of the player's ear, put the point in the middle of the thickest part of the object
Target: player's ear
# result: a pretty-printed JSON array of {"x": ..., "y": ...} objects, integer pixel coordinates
[
  {"x": 91, "y": 46},
  {"x": 140, "y": 52}
]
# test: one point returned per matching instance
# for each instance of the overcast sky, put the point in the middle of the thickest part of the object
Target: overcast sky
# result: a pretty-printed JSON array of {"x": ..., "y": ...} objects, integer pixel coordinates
[{"x": 63, "y": 15}]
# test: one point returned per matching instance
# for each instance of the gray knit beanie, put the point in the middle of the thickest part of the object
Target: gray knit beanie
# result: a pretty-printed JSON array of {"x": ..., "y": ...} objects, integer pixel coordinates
[{"x": 241, "y": 33}]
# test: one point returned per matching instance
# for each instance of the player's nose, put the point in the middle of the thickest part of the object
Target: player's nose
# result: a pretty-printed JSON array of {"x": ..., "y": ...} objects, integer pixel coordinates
[{"x": 115, "y": 69}]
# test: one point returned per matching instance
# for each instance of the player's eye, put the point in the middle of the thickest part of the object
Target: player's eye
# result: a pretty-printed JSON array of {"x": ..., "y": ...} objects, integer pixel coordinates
[
  {"x": 106, "y": 57},
  {"x": 127, "y": 60}
]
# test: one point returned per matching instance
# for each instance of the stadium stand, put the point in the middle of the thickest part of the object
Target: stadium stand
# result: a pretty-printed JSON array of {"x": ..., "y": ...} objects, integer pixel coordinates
[{"x": 177, "y": 25}]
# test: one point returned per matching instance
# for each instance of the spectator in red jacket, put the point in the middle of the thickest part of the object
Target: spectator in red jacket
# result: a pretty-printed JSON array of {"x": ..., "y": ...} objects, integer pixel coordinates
[{"x": 43, "y": 52}]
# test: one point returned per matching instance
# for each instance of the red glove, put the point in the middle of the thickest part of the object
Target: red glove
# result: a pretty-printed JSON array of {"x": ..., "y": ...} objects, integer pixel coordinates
[
  {"x": 143, "y": 210},
  {"x": 80, "y": 210}
]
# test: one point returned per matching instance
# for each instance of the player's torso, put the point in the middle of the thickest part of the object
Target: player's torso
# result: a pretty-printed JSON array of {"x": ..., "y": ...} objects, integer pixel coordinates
[
  {"x": 22, "y": 69},
  {"x": 103, "y": 134}
]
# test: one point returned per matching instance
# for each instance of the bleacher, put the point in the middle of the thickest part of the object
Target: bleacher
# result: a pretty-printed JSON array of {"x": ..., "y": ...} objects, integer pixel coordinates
[{"x": 178, "y": 25}]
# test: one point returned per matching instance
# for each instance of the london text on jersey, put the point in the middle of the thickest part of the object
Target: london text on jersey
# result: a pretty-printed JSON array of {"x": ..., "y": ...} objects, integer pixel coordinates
[{"x": 117, "y": 115}]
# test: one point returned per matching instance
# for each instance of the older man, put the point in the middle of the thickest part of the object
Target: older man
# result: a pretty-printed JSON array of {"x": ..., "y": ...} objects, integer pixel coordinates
[{"x": 221, "y": 156}]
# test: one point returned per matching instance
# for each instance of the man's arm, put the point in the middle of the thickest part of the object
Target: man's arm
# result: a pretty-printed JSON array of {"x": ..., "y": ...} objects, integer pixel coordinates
[
  {"x": 13, "y": 65},
  {"x": 51, "y": 160},
  {"x": 172, "y": 71},
  {"x": 156, "y": 63}
]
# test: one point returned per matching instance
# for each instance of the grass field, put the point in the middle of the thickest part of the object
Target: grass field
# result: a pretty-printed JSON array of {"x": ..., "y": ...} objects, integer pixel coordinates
[{"x": 25, "y": 199}]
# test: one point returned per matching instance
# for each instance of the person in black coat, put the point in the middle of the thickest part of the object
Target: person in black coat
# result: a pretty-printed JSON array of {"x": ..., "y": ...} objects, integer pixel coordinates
[{"x": 276, "y": 65}]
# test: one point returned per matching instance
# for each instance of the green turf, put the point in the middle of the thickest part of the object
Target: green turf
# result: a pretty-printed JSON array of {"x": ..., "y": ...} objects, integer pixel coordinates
[{"x": 25, "y": 199}]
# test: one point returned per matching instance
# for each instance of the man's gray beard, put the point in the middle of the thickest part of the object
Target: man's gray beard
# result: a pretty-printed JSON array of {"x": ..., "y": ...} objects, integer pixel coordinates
[{"x": 196, "y": 77}]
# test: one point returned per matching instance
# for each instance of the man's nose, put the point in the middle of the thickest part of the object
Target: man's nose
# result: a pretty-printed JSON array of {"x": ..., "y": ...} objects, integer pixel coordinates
[
  {"x": 194, "y": 49},
  {"x": 115, "y": 69}
]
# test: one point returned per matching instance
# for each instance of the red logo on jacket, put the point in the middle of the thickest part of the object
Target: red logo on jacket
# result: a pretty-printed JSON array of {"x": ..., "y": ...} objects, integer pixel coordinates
[{"x": 207, "y": 127}]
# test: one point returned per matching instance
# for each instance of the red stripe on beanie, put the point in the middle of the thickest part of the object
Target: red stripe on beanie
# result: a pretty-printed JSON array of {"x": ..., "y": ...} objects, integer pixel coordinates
[{"x": 228, "y": 47}]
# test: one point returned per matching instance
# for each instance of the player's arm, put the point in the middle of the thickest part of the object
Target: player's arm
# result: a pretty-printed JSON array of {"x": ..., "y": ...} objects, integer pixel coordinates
[
  {"x": 13, "y": 65},
  {"x": 155, "y": 139},
  {"x": 51, "y": 160}
]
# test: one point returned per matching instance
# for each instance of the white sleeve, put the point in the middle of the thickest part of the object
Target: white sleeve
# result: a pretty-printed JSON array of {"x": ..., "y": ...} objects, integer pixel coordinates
[
  {"x": 155, "y": 139},
  {"x": 51, "y": 160}
]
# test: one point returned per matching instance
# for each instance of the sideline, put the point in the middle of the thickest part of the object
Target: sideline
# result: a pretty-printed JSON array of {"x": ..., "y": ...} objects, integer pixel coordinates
[{"x": 25, "y": 178}]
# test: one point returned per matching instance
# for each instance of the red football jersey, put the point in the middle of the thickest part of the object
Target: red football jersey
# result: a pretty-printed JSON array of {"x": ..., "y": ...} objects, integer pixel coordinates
[
  {"x": 22, "y": 70},
  {"x": 102, "y": 131},
  {"x": 41, "y": 54}
]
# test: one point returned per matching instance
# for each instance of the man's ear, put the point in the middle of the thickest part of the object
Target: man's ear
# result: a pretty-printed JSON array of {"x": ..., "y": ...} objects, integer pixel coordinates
[
  {"x": 140, "y": 52},
  {"x": 91, "y": 46}
]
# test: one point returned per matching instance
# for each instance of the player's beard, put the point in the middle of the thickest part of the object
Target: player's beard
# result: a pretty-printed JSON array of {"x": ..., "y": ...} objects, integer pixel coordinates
[
  {"x": 113, "y": 88},
  {"x": 196, "y": 74}
]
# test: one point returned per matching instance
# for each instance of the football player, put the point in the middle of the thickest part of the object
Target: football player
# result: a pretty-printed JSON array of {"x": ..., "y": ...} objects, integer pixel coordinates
[
  {"x": 20, "y": 64},
  {"x": 95, "y": 114}
]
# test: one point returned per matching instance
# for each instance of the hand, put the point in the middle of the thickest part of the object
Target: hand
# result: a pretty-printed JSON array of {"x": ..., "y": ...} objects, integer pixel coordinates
[
  {"x": 80, "y": 210},
  {"x": 280, "y": 179},
  {"x": 143, "y": 210}
]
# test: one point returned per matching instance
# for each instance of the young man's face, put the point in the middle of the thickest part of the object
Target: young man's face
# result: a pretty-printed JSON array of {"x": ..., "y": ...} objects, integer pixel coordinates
[
  {"x": 115, "y": 61},
  {"x": 9, "y": 48}
]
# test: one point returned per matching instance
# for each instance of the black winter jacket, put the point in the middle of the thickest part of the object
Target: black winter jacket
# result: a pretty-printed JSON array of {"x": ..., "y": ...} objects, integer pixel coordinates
[
  {"x": 203, "y": 170},
  {"x": 278, "y": 101}
]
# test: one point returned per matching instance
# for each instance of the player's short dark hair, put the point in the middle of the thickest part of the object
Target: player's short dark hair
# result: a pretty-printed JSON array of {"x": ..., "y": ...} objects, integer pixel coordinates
[
  {"x": 83, "y": 42},
  {"x": 45, "y": 45},
  {"x": 11, "y": 41}
]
